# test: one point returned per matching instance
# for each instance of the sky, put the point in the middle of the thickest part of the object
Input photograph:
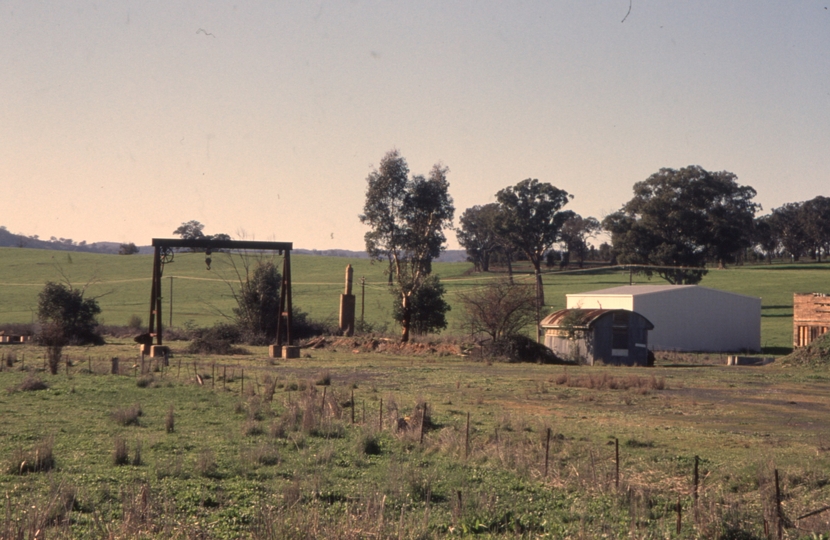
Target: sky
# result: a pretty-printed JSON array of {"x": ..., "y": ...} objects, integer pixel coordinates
[{"x": 122, "y": 119}]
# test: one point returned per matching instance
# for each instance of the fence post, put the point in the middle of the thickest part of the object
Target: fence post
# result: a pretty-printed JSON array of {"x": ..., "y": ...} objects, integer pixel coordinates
[
  {"x": 678, "y": 508},
  {"x": 423, "y": 421},
  {"x": 779, "y": 516},
  {"x": 467, "y": 438},
  {"x": 617, "y": 460},
  {"x": 380, "y": 416},
  {"x": 547, "y": 451},
  {"x": 352, "y": 406}
]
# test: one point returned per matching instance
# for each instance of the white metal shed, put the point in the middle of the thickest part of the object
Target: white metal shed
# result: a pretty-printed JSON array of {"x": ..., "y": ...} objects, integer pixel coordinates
[{"x": 685, "y": 317}]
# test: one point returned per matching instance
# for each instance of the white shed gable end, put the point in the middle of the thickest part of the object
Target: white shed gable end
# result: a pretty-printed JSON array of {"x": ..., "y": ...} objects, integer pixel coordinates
[{"x": 685, "y": 317}]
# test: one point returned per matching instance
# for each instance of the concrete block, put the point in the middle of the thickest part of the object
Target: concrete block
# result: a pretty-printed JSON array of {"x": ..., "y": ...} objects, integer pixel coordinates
[
  {"x": 734, "y": 360},
  {"x": 159, "y": 351},
  {"x": 290, "y": 351}
]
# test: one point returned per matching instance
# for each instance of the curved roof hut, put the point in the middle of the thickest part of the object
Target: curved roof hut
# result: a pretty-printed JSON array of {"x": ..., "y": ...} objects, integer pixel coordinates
[{"x": 606, "y": 336}]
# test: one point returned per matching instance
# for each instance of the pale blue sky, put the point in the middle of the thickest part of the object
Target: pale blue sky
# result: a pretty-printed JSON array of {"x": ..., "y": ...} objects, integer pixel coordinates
[{"x": 121, "y": 119}]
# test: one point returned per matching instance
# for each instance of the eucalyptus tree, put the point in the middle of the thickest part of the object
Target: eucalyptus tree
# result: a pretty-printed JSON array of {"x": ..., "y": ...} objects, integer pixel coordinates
[
  {"x": 407, "y": 217},
  {"x": 680, "y": 218},
  {"x": 478, "y": 234},
  {"x": 532, "y": 221}
]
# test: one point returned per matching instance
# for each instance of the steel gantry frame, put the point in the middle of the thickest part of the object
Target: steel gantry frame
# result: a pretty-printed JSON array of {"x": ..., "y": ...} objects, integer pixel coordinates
[{"x": 163, "y": 254}]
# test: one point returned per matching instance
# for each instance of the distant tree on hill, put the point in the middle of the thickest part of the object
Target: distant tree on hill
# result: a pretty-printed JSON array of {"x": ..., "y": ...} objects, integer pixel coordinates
[
  {"x": 127, "y": 249},
  {"x": 190, "y": 230}
]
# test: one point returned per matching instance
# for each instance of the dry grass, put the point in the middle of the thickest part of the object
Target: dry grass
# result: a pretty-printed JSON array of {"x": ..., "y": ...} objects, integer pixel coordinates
[
  {"x": 39, "y": 459},
  {"x": 128, "y": 416},
  {"x": 206, "y": 463},
  {"x": 170, "y": 420},
  {"x": 120, "y": 454},
  {"x": 604, "y": 381}
]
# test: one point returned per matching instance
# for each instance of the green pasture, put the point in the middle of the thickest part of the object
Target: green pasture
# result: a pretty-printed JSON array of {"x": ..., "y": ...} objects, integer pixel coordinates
[
  {"x": 202, "y": 297},
  {"x": 239, "y": 465}
]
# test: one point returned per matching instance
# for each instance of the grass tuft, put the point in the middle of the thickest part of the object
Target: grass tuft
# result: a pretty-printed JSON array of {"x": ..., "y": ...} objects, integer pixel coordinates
[
  {"x": 128, "y": 416},
  {"x": 38, "y": 459},
  {"x": 120, "y": 455},
  {"x": 170, "y": 420}
]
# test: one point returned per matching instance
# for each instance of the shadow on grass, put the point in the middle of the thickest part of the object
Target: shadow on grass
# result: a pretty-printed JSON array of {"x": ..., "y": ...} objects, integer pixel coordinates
[{"x": 777, "y": 351}]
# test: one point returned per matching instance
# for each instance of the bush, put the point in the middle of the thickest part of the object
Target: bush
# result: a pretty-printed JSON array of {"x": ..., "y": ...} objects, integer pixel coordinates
[
  {"x": 30, "y": 384},
  {"x": 519, "y": 348},
  {"x": 427, "y": 307},
  {"x": 134, "y": 322},
  {"x": 67, "y": 317}
]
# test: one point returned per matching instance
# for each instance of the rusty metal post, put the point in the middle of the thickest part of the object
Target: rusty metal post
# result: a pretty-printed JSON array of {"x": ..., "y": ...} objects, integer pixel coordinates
[{"x": 154, "y": 291}]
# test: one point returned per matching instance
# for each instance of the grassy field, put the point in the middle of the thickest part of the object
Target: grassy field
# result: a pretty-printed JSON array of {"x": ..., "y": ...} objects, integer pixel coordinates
[
  {"x": 202, "y": 297},
  {"x": 239, "y": 462}
]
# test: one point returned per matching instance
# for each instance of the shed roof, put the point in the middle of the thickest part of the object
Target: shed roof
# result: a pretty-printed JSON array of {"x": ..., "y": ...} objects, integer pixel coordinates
[
  {"x": 582, "y": 318},
  {"x": 636, "y": 290}
]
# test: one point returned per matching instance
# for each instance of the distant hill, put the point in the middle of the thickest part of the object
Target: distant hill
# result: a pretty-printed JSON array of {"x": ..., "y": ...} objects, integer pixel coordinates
[
  {"x": 8, "y": 239},
  {"x": 451, "y": 255}
]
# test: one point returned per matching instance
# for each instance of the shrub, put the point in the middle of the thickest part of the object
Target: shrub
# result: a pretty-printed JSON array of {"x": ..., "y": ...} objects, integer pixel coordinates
[
  {"x": 427, "y": 307},
  {"x": 30, "y": 384},
  {"x": 219, "y": 339},
  {"x": 369, "y": 443},
  {"x": 500, "y": 309},
  {"x": 68, "y": 318},
  {"x": 519, "y": 348},
  {"x": 134, "y": 322}
]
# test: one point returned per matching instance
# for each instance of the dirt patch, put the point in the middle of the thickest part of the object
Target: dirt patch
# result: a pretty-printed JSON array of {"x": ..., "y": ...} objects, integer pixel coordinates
[{"x": 374, "y": 344}]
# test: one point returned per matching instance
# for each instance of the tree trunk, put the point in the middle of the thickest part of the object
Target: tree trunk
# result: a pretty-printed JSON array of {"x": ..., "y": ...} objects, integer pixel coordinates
[
  {"x": 485, "y": 261},
  {"x": 540, "y": 290},
  {"x": 407, "y": 318},
  {"x": 509, "y": 268}
]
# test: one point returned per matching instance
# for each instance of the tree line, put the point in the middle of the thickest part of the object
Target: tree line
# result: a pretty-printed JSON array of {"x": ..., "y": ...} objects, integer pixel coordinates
[{"x": 677, "y": 222}]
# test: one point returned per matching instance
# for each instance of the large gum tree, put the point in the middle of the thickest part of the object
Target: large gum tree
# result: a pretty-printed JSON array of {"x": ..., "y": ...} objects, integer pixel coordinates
[
  {"x": 407, "y": 217},
  {"x": 532, "y": 221}
]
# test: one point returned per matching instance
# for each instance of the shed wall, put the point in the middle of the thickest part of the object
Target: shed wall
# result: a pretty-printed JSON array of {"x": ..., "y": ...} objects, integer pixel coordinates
[{"x": 688, "y": 318}]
